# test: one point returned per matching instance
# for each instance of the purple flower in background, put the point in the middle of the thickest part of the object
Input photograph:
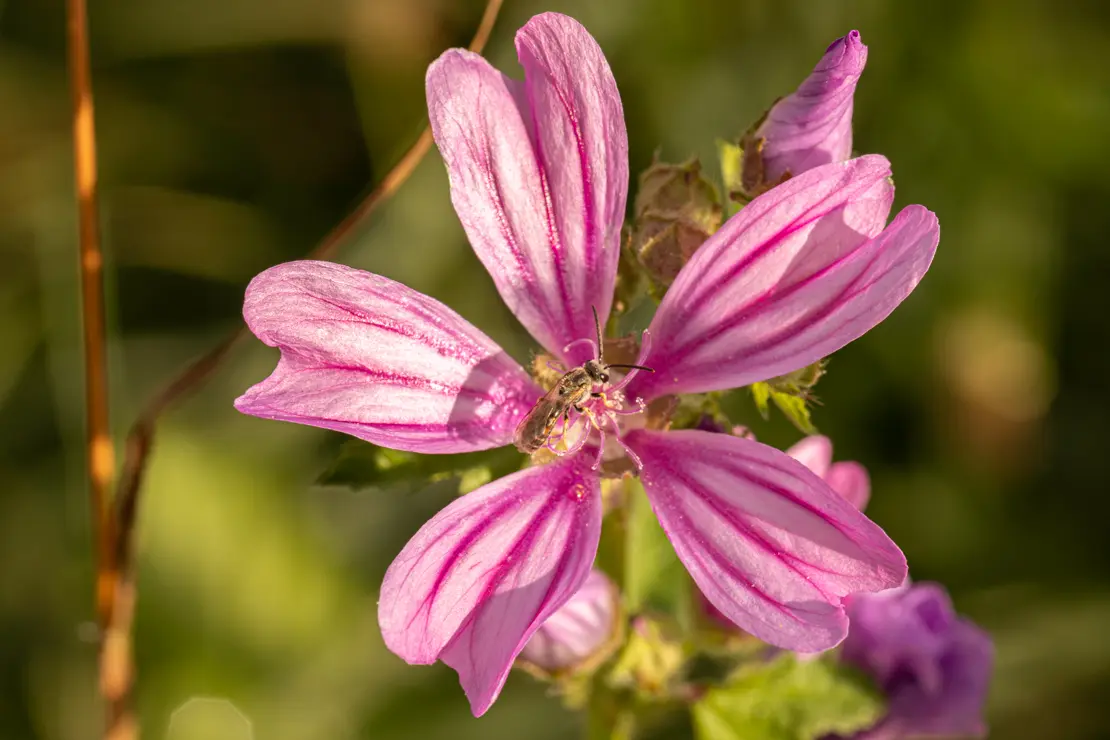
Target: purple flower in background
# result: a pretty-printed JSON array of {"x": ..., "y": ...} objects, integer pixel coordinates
[
  {"x": 579, "y": 629},
  {"x": 813, "y": 125},
  {"x": 539, "y": 176},
  {"x": 933, "y": 665}
]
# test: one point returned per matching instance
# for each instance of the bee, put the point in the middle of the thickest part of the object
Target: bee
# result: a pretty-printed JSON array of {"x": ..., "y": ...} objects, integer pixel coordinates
[{"x": 569, "y": 393}]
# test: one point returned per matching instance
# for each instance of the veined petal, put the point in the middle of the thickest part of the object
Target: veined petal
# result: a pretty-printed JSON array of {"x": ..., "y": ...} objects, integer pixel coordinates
[
  {"x": 769, "y": 544},
  {"x": 800, "y": 272},
  {"x": 579, "y": 630},
  {"x": 815, "y": 452},
  {"x": 813, "y": 125},
  {"x": 367, "y": 356},
  {"x": 539, "y": 174},
  {"x": 850, "y": 480},
  {"x": 480, "y": 578}
]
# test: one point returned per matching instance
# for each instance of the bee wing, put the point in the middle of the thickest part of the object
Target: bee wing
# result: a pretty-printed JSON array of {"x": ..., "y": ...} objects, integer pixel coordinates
[{"x": 534, "y": 429}]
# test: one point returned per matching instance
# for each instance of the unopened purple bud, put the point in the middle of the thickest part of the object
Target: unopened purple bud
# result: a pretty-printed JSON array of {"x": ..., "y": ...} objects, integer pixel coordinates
[
  {"x": 579, "y": 630},
  {"x": 813, "y": 125},
  {"x": 933, "y": 665}
]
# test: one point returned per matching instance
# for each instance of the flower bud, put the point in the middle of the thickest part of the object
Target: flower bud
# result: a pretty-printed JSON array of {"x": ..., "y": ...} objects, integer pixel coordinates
[
  {"x": 810, "y": 127},
  {"x": 676, "y": 211},
  {"x": 933, "y": 665},
  {"x": 652, "y": 660},
  {"x": 580, "y": 632}
]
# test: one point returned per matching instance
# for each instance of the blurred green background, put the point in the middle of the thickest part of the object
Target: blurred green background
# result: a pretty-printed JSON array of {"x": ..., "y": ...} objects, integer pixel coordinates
[{"x": 234, "y": 133}]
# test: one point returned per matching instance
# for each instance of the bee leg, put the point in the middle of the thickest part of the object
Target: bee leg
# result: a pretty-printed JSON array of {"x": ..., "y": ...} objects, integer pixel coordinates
[{"x": 578, "y": 408}]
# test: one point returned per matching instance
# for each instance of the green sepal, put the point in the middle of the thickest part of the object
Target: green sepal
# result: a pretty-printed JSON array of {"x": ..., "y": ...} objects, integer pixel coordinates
[
  {"x": 731, "y": 158},
  {"x": 792, "y": 393},
  {"x": 761, "y": 394}
]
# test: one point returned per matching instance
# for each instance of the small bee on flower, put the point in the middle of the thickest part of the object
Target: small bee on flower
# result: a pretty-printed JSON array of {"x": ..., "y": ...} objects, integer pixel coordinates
[{"x": 572, "y": 392}]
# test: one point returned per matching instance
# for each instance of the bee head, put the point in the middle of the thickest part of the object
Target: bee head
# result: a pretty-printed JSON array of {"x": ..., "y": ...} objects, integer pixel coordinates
[{"x": 597, "y": 372}]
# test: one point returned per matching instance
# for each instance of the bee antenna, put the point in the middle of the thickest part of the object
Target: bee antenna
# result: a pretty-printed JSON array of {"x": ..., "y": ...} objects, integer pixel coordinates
[
  {"x": 634, "y": 367},
  {"x": 597, "y": 325}
]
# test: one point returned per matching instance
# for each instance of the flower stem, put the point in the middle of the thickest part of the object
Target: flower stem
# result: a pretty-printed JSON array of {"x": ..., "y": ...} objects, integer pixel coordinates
[{"x": 608, "y": 716}]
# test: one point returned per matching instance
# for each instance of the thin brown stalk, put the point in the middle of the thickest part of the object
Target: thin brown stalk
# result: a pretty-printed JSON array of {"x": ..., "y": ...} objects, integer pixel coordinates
[
  {"x": 100, "y": 455},
  {"x": 117, "y": 670}
]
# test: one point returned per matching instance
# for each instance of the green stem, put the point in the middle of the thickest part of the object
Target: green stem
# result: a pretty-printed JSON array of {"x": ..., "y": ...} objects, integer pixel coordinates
[{"x": 607, "y": 716}]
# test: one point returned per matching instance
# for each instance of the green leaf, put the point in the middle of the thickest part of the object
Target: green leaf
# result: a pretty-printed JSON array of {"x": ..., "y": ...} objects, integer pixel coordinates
[
  {"x": 787, "y": 699},
  {"x": 654, "y": 578},
  {"x": 363, "y": 465}
]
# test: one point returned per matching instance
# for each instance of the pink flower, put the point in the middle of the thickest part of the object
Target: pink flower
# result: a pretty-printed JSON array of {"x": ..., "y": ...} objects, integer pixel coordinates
[
  {"x": 813, "y": 125},
  {"x": 579, "y": 630},
  {"x": 848, "y": 478},
  {"x": 539, "y": 172}
]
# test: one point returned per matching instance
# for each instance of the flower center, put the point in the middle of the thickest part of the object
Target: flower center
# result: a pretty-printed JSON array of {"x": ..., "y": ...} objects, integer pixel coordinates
[{"x": 599, "y": 419}]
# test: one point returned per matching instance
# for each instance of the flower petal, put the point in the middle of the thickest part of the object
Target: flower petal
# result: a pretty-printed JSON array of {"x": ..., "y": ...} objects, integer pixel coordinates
[
  {"x": 367, "y": 356},
  {"x": 800, "y": 272},
  {"x": 813, "y": 125},
  {"x": 850, "y": 480},
  {"x": 579, "y": 630},
  {"x": 539, "y": 174},
  {"x": 767, "y": 542},
  {"x": 480, "y": 578},
  {"x": 815, "y": 452}
]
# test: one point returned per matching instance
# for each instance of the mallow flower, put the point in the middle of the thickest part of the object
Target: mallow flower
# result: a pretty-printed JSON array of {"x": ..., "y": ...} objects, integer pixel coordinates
[
  {"x": 813, "y": 125},
  {"x": 933, "y": 666},
  {"x": 539, "y": 175}
]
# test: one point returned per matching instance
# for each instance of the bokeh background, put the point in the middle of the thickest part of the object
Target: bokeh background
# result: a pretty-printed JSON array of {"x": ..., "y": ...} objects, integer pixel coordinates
[{"x": 234, "y": 133}]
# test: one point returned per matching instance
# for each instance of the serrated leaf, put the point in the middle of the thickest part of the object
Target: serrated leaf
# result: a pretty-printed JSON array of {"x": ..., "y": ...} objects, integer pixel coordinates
[
  {"x": 787, "y": 699},
  {"x": 362, "y": 465}
]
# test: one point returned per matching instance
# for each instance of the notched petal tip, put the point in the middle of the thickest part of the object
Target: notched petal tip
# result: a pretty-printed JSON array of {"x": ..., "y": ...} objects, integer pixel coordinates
[
  {"x": 797, "y": 274},
  {"x": 473, "y": 585},
  {"x": 539, "y": 174},
  {"x": 769, "y": 544},
  {"x": 367, "y": 356}
]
